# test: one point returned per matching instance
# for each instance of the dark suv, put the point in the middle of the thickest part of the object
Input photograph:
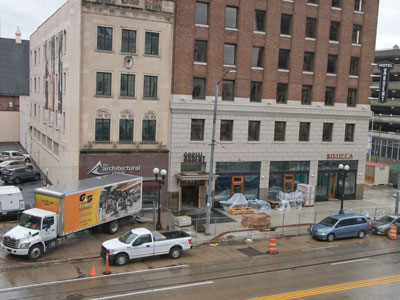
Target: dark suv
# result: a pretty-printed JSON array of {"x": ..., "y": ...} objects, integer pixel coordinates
[{"x": 18, "y": 175}]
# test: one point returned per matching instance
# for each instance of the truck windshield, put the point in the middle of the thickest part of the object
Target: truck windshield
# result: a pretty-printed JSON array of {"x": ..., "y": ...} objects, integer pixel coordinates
[
  {"x": 29, "y": 221},
  {"x": 128, "y": 237}
]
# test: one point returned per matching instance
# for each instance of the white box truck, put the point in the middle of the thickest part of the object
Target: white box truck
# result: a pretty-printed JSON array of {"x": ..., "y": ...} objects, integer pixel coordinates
[
  {"x": 11, "y": 201},
  {"x": 67, "y": 208}
]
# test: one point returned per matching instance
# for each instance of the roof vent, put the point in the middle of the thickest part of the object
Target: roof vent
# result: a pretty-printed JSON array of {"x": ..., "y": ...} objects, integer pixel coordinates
[{"x": 18, "y": 36}]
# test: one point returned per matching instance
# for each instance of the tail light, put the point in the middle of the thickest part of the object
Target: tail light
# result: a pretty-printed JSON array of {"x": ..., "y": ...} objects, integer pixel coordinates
[
  {"x": 190, "y": 241},
  {"x": 369, "y": 225}
]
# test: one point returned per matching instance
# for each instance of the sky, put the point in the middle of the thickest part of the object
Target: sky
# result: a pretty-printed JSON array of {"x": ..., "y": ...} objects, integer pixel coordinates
[{"x": 29, "y": 14}]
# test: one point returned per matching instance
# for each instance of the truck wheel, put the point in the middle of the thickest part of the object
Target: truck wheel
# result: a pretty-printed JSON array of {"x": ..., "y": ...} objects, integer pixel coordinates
[
  {"x": 175, "y": 252},
  {"x": 35, "y": 252},
  {"x": 121, "y": 259},
  {"x": 17, "y": 180},
  {"x": 112, "y": 227}
]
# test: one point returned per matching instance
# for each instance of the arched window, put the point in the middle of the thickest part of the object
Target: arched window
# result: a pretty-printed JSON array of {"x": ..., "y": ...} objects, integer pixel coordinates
[
  {"x": 103, "y": 119},
  {"x": 126, "y": 126},
  {"x": 149, "y": 125}
]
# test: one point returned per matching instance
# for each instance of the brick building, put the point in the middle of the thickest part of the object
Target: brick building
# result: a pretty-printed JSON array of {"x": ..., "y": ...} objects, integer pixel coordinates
[{"x": 294, "y": 106}]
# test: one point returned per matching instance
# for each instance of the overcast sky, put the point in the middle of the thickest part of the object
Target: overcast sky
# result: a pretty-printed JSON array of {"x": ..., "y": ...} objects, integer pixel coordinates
[{"x": 29, "y": 14}]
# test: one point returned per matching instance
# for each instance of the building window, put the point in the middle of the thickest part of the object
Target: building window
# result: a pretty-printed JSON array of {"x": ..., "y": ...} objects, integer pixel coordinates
[
  {"x": 254, "y": 131},
  {"x": 358, "y": 5},
  {"x": 336, "y": 3},
  {"x": 200, "y": 51},
  {"x": 312, "y": 1},
  {"x": 55, "y": 148},
  {"x": 104, "y": 38},
  {"x": 286, "y": 24},
  {"x": 197, "y": 130},
  {"x": 255, "y": 91},
  {"x": 199, "y": 88},
  {"x": 228, "y": 88},
  {"x": 127, "y": 85},
  {"x": 354, "y": 66},
  {"x": 352, "y": 98},
  {"x": 308, "y": 65},
  {"x": 281, "y": 93},
  {"x": 201, "y": 13},
  {"x": 329, "y": 96},
  {"x": 149, "y": 130},
  {"x": 311, "y": 28},
  {"x": 226, "y": 132},
  {"x": 103, "y": 84},
  {"x": 128, "y": 41},
  {"x": 126, "y": 130},
  {"x": 327, "y": 132},
  {"x": 334, "y": 31},
  {"x": 150, "y": 86},
  {"x": 304, "y": 132},
  {"x": 151, "y": 43},
  {"x": 259, "y": 21},
  {"x": 283, "y": 62},
  {"x": 306, "y": 94},
  {"x": 231, "y": 17},
  {"x": 279, "y": 134},
  {"x": 102, "y": 130},
  {"x": 332, "y": 62},
  {"x": 356, "y": 37},
  {"x": 257, "y": 57},
  {"x": 349, "y": 133},
  {"x": 229, "y": 54}
]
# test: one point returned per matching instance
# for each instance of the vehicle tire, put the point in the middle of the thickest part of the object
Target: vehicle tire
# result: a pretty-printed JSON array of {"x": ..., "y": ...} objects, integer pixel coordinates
[
  {"x": 112, "y": 227},
  {"x": 27, "y": 160},
  {"x": 361, "y": 234},
  {"x": 330, "y": 237},
  {"x": 37, "y": 177},
  {"x": 175, "y": 252},
  {"x": 121, "y": 259},
  {"x": 35, "y": 252},
  {"x": 17, "y": 180}
]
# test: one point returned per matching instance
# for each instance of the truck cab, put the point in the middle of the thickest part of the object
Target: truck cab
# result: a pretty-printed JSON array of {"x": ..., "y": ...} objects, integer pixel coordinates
[{"x": 32, "y": 237}]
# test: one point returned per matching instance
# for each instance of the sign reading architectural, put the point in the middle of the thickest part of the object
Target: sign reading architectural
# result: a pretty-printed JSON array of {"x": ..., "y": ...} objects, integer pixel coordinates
[
  {"x": 384, "y": 84},
  {"x": 101, "y": 169},
  {"x": 193, "y": 157}
]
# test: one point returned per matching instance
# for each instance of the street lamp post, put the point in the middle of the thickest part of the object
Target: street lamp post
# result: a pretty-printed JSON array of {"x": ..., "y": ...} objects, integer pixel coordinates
[
  {"x": 160, "y": 181},
  {"x": 208, "y": 209},
  {"x": 343, "y": 169}
]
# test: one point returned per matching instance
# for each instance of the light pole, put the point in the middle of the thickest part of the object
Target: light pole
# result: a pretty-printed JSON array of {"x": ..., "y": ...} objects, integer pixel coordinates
[
  {"x": 207, "y": 231},
  {"x": 343, "y": 169},
  {"x": 160, "y": 181}
]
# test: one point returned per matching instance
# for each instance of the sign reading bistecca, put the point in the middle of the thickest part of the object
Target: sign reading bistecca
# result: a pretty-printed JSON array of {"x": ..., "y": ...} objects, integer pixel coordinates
[{"x": 384, "y": 84}]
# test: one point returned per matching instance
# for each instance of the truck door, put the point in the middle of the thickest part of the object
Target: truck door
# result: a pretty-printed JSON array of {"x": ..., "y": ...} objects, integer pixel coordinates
[
  {"x": 142, "y": 246},
  {"x": 49, "y": 231}
]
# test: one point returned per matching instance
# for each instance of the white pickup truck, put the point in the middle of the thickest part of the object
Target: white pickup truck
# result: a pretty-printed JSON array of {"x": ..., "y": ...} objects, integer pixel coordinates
[{"x": 141, "y": 242}]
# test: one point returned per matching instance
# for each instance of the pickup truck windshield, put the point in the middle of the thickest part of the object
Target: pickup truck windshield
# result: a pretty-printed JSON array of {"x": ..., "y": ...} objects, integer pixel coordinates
[
  {"x": 128, "y": 237},
  {"x": 29, "y": 221}
]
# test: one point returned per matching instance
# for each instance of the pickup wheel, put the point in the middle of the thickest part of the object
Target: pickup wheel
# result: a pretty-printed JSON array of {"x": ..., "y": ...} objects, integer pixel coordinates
[
  {"x": 35, "y": 252},
  {"x": 121, "y": 259},
  {"x": 112, "y": 227},
  {"x": 175, "y": 252}
]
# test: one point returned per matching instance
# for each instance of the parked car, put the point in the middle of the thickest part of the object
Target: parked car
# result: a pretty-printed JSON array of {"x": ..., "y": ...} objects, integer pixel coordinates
[
  {"x": 341, "y": 226},
  {"x": 382, "y": 225},
  {"x": 11, "y": 164},
  {"x": 14, "y": 155},
  {"x": 18, "y": 175}
]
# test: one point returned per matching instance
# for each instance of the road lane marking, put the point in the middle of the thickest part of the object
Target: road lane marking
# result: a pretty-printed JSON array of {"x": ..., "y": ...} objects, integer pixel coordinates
[
  {"x": 174, "y": 287},
  {"x": 332, "y": 288},
  {"x": 320, "y": 248},
  {"x": 88, "y": 278},
  {"x": 348, "y": 261}
]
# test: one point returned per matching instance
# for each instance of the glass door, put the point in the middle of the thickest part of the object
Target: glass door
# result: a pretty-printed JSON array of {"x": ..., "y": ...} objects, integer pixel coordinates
[
  {"x": 331, "y": 186},
  {"x": 288, "y": 183}
]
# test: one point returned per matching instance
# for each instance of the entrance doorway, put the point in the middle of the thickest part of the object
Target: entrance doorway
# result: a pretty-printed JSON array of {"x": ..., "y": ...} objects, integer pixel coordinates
[
  {"x": 288, "y": 183},
  {"x": 190, "y": 197},
  {"x": 237, "y": 184},
  {"x": 331, "y": 186}
]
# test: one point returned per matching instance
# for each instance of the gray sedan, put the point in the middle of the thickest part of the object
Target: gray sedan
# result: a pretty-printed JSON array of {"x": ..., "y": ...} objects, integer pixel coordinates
[{"x": 382, "y": 225}]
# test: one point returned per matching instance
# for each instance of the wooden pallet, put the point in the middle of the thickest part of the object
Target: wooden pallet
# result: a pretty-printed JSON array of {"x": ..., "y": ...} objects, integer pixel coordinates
[{"x": 241, "y": 211}]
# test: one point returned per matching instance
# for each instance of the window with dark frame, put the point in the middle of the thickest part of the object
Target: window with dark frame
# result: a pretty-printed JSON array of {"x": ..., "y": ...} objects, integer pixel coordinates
[
  {"x": 104, "y": 38},
  {"x": 126, "y": 130},
  {"x": 358, "y": 5},
  {"x": 228, "y": 88},
  {"x": 279, "y": 132},
  {"x": 334, "y": 31},
  {"x": 286, "y": 24},
  {"x": 201, "y": 13},
  {"x": 311, "y": 27},
  {"x": 226, "y": 130},
  {"x": 281, "y": 93},
  {"x": 257, "y": 59},
  {"x": 254, "y": 131},
  {"x": 127, "y": 85},
  {"x": 354, "y": 66},
  {"x": 197, "y": 130},
  {"x": 349, "y": 133},
  {"x": 149, "y": 130},
  {"x": 308, "y": 65},
  {"x": 255, "y": 91},
  {"x": 102, "y": 130},
  {"x": 103, "y": 84},
  {"x": 128, "y": 43},
  {"x": 352, "y": 98},
  {"x": 200, "y": 51},
  {"x": 304, "y": 132},
  {"x": 313, "y": 1},
  {"x": 356, "y": 36},
  {"x": 332, "y": 63},
  {"x": 231, "y": 13},
  {"x": 152, "y": 43},
  {"x": 150, "y": 87},
  {"x": 229, "y": 54},
  {"x": 306, "y": 95},
  {"x": 283, "y": 62},
  {"x": 199, "y": 88},
  {"x": 259, "y": 21},
  {"x": 327, "y": 132},
  {"x": 336, "y": 3},
  {"x": 330, "y": 96}
]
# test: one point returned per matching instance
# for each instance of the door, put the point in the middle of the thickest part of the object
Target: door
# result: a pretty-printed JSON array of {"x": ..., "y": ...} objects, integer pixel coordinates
[
  {"x": 190, "y": 197},
  {"x": 48, "y": 231},
  {"x": 331, "y": 186},
  {"x": 142, "y": 246},
  {"x": 203, "y": 197},
  {"x": 237, "y": 184},
  {"x": 288, "y": 183},
  {"x": 341, "y": 229}
]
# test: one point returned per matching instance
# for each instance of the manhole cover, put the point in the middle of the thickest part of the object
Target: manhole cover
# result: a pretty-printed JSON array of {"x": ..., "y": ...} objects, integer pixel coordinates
[
  {"x": 75, "y": 297},
  {"x": 249, "y": 251}
]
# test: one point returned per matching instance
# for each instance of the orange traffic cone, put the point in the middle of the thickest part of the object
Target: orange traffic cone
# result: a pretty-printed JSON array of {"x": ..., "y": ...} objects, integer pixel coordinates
[
  {"x": 393, "y": 232},
  {"x": 272, "y": 246},
  {"x": 107, "y": 271},
  {"x": 93, "y": 273}
]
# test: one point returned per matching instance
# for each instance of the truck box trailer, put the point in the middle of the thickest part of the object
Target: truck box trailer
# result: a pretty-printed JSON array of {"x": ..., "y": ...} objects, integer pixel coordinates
[{"x": 11, "y": 201}]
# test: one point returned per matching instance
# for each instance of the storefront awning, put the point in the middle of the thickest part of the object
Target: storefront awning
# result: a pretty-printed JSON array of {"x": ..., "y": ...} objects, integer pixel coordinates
[{"x": 185, "y": 176}]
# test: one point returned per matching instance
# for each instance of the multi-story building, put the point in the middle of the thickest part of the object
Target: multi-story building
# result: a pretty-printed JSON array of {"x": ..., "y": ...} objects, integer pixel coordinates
[
  {"x": 294, "y": 105},
  {"x": 100, "y": 89}
]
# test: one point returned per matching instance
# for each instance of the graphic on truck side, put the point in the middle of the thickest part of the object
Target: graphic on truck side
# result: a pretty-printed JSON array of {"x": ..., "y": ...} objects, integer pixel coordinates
[{"x": 47, "y": 203}]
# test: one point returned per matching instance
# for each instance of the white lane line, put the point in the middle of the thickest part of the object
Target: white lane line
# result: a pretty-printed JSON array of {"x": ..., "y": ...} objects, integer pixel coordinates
[
  {"x": 175, "y": 287},
  {"x": 88, "y": 278},
  {"x": 349, "y": 261},
  {"x": 320, "y": 248}
]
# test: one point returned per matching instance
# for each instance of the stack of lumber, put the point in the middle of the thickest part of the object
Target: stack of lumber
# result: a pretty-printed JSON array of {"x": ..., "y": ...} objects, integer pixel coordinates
[
  {"x": 241, "y": 211},
  {"x": 256, "y": 220}
]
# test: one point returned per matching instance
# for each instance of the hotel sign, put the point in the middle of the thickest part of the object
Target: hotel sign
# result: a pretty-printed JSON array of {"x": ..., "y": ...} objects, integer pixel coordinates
[
  {"x": 193, "y": 157},
  {"x": 383, "y": 87},
  {"x": 339, "y": 156}
]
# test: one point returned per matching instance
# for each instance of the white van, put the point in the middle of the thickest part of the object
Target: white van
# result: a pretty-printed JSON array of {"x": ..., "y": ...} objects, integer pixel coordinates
[{"x": 11, "y": 201}]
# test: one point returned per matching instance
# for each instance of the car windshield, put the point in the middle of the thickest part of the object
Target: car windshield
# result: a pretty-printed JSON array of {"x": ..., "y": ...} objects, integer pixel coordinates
[
  {"x": 128, "y": 237},
  {"x": 329, "y": 222},
  {"x": 29, "y": 221},
  {"x": 386, "y": 219},
  {"x": 4, "y": 163}
]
